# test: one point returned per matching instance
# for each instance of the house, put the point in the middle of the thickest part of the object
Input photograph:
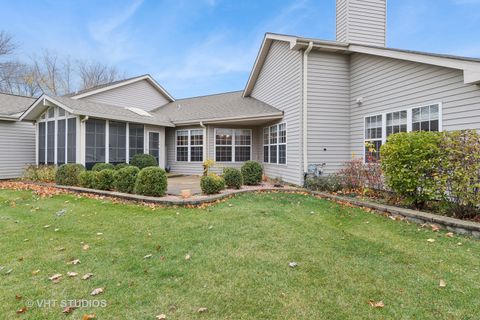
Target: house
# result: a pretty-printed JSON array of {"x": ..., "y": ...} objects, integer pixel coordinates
[{"x": 307, "y": 101}]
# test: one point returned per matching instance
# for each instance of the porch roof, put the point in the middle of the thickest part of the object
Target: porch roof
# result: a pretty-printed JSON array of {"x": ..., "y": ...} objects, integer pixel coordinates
[{"x": 12, "y": 106}]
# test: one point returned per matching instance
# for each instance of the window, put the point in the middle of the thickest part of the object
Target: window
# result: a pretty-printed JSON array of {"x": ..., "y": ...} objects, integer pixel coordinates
[
  {"x": 426, "y": 118},
  {"x": 61, "y": 142},
  {"x": 189, "y": 145},
  {"x": 233, "y": 145},
  {"x": 72, "y": 140},
  {"x": 117, "y": 144},
  {"x": 153, "y": 145},
  {"x": 275, "y": 144},
  {"x": 95, "y": 142},
  {"x": 135, "y": 139},
  {"x": 373, "y": 138},
  {"x": 50, "y": 142},
  {"x": 396, "y": 122},
  {"x": 41, "y": 142}
]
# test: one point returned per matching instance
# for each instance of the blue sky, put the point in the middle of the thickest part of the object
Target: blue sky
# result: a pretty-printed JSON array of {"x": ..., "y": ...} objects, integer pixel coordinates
[{"x": 206, "y": 46}]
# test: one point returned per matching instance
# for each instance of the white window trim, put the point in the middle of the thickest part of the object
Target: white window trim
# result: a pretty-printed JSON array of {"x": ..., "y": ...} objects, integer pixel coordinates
[
  {"x": 43, "y": 118},
  {"x": 147, "y": 144},
  {"x": 189, "y": 145},
  {"x": 277, "y": 144},
  {"x": 409, "y": 121},
  {"x": 233, "y": 144}
]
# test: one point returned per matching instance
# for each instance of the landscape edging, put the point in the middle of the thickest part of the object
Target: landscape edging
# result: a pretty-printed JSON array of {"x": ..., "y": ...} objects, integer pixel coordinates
[{"x": 456, "y": 225}]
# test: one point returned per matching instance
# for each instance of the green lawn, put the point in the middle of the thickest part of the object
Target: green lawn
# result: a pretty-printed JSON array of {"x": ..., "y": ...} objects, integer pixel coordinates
[{"x": 240, "y": 250}]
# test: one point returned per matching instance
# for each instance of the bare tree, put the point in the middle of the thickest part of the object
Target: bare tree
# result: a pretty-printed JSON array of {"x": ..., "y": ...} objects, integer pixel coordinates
[
  {"x": 94, "y": 73},
  {"x": 7, "y": 45}
]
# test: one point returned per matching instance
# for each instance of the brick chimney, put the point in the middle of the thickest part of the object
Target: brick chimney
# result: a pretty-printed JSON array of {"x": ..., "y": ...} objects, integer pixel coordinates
[{"x": 362, "y": 22}]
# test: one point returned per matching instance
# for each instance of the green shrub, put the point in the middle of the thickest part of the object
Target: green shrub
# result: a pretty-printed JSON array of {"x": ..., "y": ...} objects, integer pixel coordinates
[
  {"x": 143, "y": 160},
  {"x": 102, "y": 166},
  {"x": 410, "y": 162},
  {"x": 88, "y": 179},
  {"x": 330, "y": 183},
  {"x": 121, "y": 166},
  {"x": 105, "y": 179},
  {"x": 40, "y": 173},
  {"x": 67, "y": 174},
  {"x": 460, "y": 170},
  {"x": 252, "y": 172},
  {"x": 151, "y": 181},
  {"x": 125, "y": 179},
  {"x": 233, "y": 178},
  {"x": 212, "y": 183}
]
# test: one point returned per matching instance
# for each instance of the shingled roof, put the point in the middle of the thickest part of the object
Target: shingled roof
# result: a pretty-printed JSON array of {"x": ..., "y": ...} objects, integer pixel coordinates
[{"x": 12, "y": 106}]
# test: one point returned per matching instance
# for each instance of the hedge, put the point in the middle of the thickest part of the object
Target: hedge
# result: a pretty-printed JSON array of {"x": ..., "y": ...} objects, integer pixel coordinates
[
  {"x": 67, "y": 174},
  {"x": 233, "y": 178},
  {"x": 102, "y": 166},
  {"x": 104, "y": 179},
  {"x": 151, "y": 181},
  {"x": 125, "y": 179},
  {"x": 88, "y": 179},
  {"x": 143, "y": 161},
  {"x": 252, "y": 172},
  {"x": 212, "y": 183}
]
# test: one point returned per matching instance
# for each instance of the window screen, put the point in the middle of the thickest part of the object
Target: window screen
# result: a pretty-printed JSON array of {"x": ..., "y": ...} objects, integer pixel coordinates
[
  {"x": 117, "y": 145},
  {"x": 136, "y": 139},
  {"x": 51, "y": 142},
  {"x": 72, "y": 140},
  {"x": 154, "y": 144},
  {"x": 61, "y": 141},
  {"x": 95, "y": 142},
  {"x": 41, "y": 142}
]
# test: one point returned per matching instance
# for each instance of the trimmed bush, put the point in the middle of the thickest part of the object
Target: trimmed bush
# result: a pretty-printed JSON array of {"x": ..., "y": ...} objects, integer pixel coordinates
[
  {"x": 151, "y": 181},
  {"x": 212, "y": 183},
  {"x": 105, "y": 179},
  {"x": 233, "y": 178},
  {"x": 67, "y": 174},
  {"x": 252, "y": 172},
  {"x": 410, "y": 162},
  {"x": 40, "y": 173},
  {"x": 143, "y": 161},
  {"x": 122, "y": 165},
  {"x": 88, "y": 179},
  {"x": 330, "y": 183},
  {"x": 125, "y": 179},
  {"x": 102, "y": 166}
]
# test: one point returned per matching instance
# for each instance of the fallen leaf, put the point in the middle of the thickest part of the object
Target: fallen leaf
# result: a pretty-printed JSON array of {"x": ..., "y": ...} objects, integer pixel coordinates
[
  {"x": 46, "y": 226},
  {"x": 187, "y": 257},
  {"x": 435, "y": 227},
  {"x": 202, "y": 310},
  {"x": 18, "y": 297},
  {"x": 35, "y": 272},
  {"x": 431, "y": 240},
  {"x": 56, "y": 230},
  {"x": 99, "y": 233},
  {"x": 61, "y": 249},
  {"x": 23, "y": 310},
  {"x": 449, "y": 234},
  {"x": 442, "y": 284},
  {"x": 148, "y": 256},
  {"x": 158, "y": 247},
  {"x": 97, "y": 291},
  {"x": 89, "y": 316},
  {"x": 87, "y": 276},
  {"x": 72, "y": 274},
  {"x": 68, "y": 310},
  {"x": 76, "y": 261},
  {"x": 55, "y": 277},
  {"x": 86, "y": 247},
  {"x": 293, "y": 264},
  {"x": 161, "y": 317},
  {"x": 376, "y": 304}
]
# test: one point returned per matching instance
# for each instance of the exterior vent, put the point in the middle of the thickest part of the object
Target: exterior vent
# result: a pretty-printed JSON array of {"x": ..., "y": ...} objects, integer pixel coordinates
[{"x": 139, "y": 111}]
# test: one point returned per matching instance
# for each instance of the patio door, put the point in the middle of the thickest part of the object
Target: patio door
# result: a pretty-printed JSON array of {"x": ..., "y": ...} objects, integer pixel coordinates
[{"x": 154, "y": 145}]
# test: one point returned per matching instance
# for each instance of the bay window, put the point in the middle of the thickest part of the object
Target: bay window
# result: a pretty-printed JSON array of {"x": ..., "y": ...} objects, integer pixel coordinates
[
  {"x": 233, "y": 145},
  {"x": 275, "y": 144},
  {"x": 189, "y": 145}
]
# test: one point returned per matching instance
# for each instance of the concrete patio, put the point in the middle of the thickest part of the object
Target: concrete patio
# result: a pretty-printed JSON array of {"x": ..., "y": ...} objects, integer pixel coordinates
[{"x": 178, "y": 183}]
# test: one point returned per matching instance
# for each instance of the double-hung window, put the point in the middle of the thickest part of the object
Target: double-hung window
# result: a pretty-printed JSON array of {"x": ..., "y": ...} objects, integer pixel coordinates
[
  {"x": 275, "y": 144},
  {"x": 373, "y": 138},
  {"x": 233, "y": 145},
  {"x": 396, "y": 122},
  {"x": 189, "y": 145},
  {"x": 425, "y": 118}
]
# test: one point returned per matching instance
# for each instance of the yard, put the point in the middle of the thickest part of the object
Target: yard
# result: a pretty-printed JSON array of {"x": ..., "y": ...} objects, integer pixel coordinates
[{"x": 231, "y": 258}]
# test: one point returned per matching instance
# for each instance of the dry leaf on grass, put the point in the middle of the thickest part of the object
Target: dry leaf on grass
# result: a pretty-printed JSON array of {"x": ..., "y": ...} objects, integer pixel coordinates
[
  {"x": 68, "y": 310},
  {"x": 376, "y": 304},
  {"x": 442, "y": 284},
  {"x": 187, "y": 257},
  {"x": 161, "y": 317},
  {"x": 72, "y": 274},
  {"x": 202, "y": 310},
  {"x": 88, "y": 316},
  {"x": 76, "y": 261},
  {"x": 87, "y": 276},
  {"x": 148, "y": 256},
  {"x": 55, "y": 277},
  {"x": 18, "y": 297},
  {"x": 35, "y": 272},
  {"x": 431, "y": 240},
  {"x": 449, "y": 234},
  {"x": 435, "y": 227},
  {"x": 97, "y": 291},
  {"x": 22, "y": 310},
  {"x": 85, "y": 247}
]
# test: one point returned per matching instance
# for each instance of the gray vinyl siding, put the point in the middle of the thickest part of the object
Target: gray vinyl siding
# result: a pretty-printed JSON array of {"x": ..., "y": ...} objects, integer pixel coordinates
[
  {"x": 183, "y": 167},
  {"x": 139, "y": 94},
  {"x": 328, "y": 110},
  {"x": 17, "y": 148},
  {"x": 391, "y": 85},
  {"x": 362, "y": 21},
  {"x": 280, "y": 85}
]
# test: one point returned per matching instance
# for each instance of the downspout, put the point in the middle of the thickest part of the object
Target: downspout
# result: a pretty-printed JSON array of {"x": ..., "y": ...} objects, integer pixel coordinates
[
  {"x": 304, "y": 109},
  {"x": 205, "y": 142}
]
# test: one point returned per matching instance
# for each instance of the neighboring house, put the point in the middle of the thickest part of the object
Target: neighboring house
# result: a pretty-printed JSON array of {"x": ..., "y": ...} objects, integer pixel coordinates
[{"x": 307, "y": 101}]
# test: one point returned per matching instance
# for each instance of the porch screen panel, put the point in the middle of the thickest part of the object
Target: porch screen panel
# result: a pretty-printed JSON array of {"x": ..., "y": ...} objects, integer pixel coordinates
[
  {"x": 136, "y": 139},
  {"x": 41, "y": 142},
  {"x": 117, "y": 142},
  {"x": 153, "y": 145},
  {"x": 51, "y": 142},
  {"x": 72, "y": 140},
  {"x": 95, "y": 142},
  {"x": 61, "y": 141}
]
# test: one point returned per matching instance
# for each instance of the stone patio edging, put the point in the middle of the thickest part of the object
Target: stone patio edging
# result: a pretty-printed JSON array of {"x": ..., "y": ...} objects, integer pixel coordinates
[{"x": 455, "y": 225}]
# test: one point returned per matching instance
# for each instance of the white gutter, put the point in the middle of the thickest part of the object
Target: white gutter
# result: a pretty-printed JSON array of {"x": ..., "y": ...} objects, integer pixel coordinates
[
  {"x": 305, "y": 106},
  {"x": 205, "y": 141}
]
